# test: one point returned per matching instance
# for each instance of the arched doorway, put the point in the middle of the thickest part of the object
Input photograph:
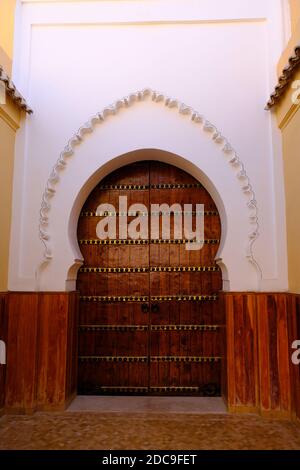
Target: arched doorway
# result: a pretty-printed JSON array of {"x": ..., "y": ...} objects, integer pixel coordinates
[{"x": 150, "y": 319}]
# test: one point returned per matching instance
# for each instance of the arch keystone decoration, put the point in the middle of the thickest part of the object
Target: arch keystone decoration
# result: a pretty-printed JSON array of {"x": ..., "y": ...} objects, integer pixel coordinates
[{"x": 184, "y": 110}]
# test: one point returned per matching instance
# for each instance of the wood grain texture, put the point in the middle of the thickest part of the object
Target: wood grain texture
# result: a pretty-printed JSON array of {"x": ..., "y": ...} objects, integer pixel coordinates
[
  {"x": 42, "y": 341},
  {"x": 293, "y": 301},
  {"x": 41, "y": 351},
  {"x": 72, "y": 347},
  {"x": 274, "y": 354},
  {"x": 3, "y": 337},
  {"x": 242, "y": 361},
  {"x": 21, "y": 372},
  {"x": 260, "y": 375},
  {"x": 56, "y": 350},
  {"x": 167, "y": 185},
  {"x": 224, "y": 350}
]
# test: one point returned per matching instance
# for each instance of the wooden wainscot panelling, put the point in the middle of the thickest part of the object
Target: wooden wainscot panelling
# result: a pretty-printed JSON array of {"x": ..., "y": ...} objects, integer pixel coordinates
[
  {"x": 72, "y": 349},
  {"x": 274, "y": 355},
  {"x": 42, "y": 351},
  {"x": 56, "y": 347},
  {"x": 224, "y": 381},
  {"x": 294, "y": 335},
  {"x": 242, "y": 361},
  {"x": 21, "y": 372},
  {"x": 3, "y": 338},
  {"x": 261, "y": 328}
]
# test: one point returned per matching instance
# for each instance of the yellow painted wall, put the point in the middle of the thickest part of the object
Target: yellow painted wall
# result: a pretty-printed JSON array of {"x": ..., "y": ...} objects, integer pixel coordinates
[
  {"x": 291, "y": 152},
  {"x": 7, "y": 13},
  {"x": 288, "y": 115},
  {"x": 295, "y": 13},
  {"x": 9, "y": 122}
]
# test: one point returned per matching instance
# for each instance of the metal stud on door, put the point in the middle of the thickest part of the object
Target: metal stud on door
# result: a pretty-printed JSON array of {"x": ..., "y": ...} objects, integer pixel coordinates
[{"x": 150, "y": 320}]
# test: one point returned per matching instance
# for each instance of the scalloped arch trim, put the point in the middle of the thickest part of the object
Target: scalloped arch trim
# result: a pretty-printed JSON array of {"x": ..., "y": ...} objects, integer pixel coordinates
[{"x": 197, "y": 118}]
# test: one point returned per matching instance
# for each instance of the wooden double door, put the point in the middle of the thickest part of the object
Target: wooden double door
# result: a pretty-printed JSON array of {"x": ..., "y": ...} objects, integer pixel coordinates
[{"x": 150, "y": 319}]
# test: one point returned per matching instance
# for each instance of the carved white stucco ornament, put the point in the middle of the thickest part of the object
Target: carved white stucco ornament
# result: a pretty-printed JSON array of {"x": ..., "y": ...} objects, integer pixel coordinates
[{"x": 183, "y": 110}]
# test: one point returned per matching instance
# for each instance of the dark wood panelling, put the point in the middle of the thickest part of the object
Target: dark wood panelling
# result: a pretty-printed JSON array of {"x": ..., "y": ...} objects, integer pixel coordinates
[
  {"x": 260, "y": 331},
  {"x": 56, "y": 360},
  {"x": 224, "y": 378},
  {"x": 162, "y": 272},
  {"x": 274, "y": 354},
  {"x": 41, "y": 351},
  {"x": 72, "y": 349},
  {"x": 21, "y": 370},
  {"x": 41, "y": 336},
  {"x": 294, "y": 335},
  {"x": 242, "y": 361},
  {"x": 3, "y": 337}
]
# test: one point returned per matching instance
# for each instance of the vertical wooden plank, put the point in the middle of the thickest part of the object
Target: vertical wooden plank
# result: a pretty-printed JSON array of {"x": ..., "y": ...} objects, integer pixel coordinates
[
  {"x": 52, "y": 346},
  {"x": 294, "y": 335},
  {"x": 231, "y": 378},
  {"x": 258, "y": 342},
  {"x": 241, "y": 326},
  {"x": 245, "y": 338},
  {"x": 272, "y": 314},
  {"x": 72, "y": 347},
  {"x": 56, "y": 350},
  {"x": 252, "y": 340},
  {"x": 243, "y": 357},
  {"x": 3, "y": 337},
  {"x": 240, "y": 385},
  {"x": 274, "y": 368},
  {"x": 283, "y": 355},
  {"x": 21, "y": 375},
  {"x": 223, "y": 347},
  {"x": 297, "y": 368},
  {"x": 263, "y": 351}
]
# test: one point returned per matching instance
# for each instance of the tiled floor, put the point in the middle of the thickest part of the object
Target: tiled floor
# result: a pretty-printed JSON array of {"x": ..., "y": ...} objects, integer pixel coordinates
[{"x": 167, "y": 424}]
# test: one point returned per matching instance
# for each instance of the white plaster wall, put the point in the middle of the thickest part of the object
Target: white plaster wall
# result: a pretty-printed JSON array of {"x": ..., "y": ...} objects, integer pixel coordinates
[{"x": 74, "y": 58}]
